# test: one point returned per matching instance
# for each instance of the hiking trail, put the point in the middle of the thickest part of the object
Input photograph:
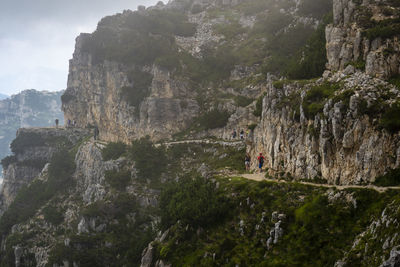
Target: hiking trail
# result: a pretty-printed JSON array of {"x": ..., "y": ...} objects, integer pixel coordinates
[{"x": 260, "y": 177}]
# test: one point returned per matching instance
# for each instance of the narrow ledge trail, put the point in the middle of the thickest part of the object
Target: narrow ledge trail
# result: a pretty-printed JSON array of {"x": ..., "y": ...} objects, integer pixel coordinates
[{"x": 260, "y": 177}]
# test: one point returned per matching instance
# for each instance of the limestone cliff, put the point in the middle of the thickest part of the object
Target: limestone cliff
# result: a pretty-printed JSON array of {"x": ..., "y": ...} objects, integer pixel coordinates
[
  {"x": 341, "y": 143},
  {"x": 155, "y": 71},
  {"x": 30, "y": 108},
  {"x": 33, "y": 148},
  {"x": 337, "y": 128},
  {"x": 365, "y": 33}
]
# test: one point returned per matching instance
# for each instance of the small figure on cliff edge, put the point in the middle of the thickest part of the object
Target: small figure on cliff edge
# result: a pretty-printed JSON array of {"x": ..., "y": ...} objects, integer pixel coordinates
[
  {"x": 260, "y": 161},
  {"x": 247, "y": 160},
  {"x": 234, "y": 134},
  {"x": 57, "y": 123},
  {"x": 241, "y": 134}
]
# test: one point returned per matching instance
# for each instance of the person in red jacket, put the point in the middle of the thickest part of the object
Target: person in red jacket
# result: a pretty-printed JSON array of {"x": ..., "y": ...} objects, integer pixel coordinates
[{"x": 260, "y": 161}]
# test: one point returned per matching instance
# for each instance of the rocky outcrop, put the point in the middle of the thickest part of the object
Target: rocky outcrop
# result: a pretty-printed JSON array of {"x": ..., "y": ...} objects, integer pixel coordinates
[
  {"x": 341, "y": 144},
  {"x": 28, "y": 162},
  {"x": 349, "y": 40},
  {"x": 30, "y": 108},
  {"x": 93, "y": 98}
]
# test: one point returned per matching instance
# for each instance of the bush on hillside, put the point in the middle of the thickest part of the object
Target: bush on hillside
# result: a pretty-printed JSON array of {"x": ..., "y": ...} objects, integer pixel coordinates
[
  {"x": 118, "y": 180},
  {"x": 150, "y": 161},
  {"x": 26, "y": 139},
  {"x": 30, "y": 198},
  {"x": 214, "y": 119},
  {"x": 5, "y": 162},
  {"x": 113, "y": 151},
  {"x": 316, "y": 98},
  {"x": 193, "y": 201},
  {"x": 391, "y": 118},
  {"x": 391, "y": 178}
]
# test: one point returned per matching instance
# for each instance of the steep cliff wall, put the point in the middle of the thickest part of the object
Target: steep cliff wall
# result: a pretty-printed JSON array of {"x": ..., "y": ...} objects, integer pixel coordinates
[
  {"x": 93, "y": 97},
  {"x": 30, "y": 108},
  {"x": 342, "y": 141},
  {"x": 157, "y": 70},
  {"x": 33, "y": 148},
  {"x": 365, "y": 33}
]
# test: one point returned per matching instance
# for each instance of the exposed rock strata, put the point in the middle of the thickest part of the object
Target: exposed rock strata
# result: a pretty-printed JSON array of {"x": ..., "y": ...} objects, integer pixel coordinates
[
  {"x": 347, "y": 43},
  {"x": 22, "y": 171},
  {"x": 339, "y": 144}
]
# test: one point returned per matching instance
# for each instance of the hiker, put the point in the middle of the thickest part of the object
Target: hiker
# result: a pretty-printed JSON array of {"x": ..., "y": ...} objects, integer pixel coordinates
[
  {"x": 234, "y": 134},
  {"x": 247, "y": 133},
  {"x": 56, "y": 123},
  {"x": 241, "y": 134},
  {"x": 247, "y": 160},
  {"x": 69, "y": 123},
  {"x": 260, "y": 161},
  {"x": 73, "y": 123},
  {"x": 96, "y": 133}
]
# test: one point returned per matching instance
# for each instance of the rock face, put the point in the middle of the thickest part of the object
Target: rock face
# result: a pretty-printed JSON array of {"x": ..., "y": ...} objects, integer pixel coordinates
[
  {"x": 341, "y": 144},
  {"x": 93, "y": 97},
  {"x": 350, "y": 38},
  {"x": 30, "y": 108},
  {"x": 28, "y": 162}
]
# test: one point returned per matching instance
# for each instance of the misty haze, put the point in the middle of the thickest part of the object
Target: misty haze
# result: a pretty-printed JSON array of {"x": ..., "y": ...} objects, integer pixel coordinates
[{"x": 200, "y": 133}]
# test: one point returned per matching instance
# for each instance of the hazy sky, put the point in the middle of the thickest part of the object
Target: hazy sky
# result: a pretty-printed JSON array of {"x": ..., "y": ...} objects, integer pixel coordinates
[{"x": 37, "y": 38}]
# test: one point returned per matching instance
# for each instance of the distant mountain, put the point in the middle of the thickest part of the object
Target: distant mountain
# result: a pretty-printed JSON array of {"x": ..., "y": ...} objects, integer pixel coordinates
[
  {"x": 30, "y": 108},
  {"x": 3, "y": 96}
]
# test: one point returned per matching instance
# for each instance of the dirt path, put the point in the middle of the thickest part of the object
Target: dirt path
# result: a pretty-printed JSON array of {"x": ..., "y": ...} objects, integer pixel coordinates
[
  {"x": 260, "y": 177},
  {"x": 202, "y": 141}
]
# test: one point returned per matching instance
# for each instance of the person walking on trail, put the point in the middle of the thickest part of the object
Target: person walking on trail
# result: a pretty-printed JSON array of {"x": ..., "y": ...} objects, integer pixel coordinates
[
  {"x": 241, "y": 134},
  {"x": 260, "y": 161},
  {"x": 57, "y": 123},
  {"x": 234, "y": 134},
  {"x": 247, "y": 160}
]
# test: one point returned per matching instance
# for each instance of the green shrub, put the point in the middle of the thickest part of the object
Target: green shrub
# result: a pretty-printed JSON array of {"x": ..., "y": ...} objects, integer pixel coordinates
[
  {"x": 395, "y": 80},
  {"x": 214, "y": 119},
  {"x": 53, "y": 215},
  {"x": 192, "y": 201},
  {"x": 391, "y": 118},
  {"x": 229, "y": 30},
  {"x": 150, "y": 161},
  {"x": 113, "y": 150},
  {"x": 122, "y": 204},
  {"x": 259, "y": 105},
  {"x": 5, "y": 162},
  {"x": 316, "y": 98},
  {"x": 30, "y": 198},
  {"x": 383, "y": 29},
  {"x": 118, "y": 180},
  {"x": 243, "y": 101},
  {"x": 391, "y": 178},
  {"x": 279, "y": 84},
  {"x": 251, "y": 127},
  {"x": 360, "y": 64},
  {"x": 26, "y": 139},
  {"x": 139, "y": 39}
]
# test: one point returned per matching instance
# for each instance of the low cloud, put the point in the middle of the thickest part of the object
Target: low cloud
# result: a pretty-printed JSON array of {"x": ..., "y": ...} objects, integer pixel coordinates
[{"x": 37, "y": 38}]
